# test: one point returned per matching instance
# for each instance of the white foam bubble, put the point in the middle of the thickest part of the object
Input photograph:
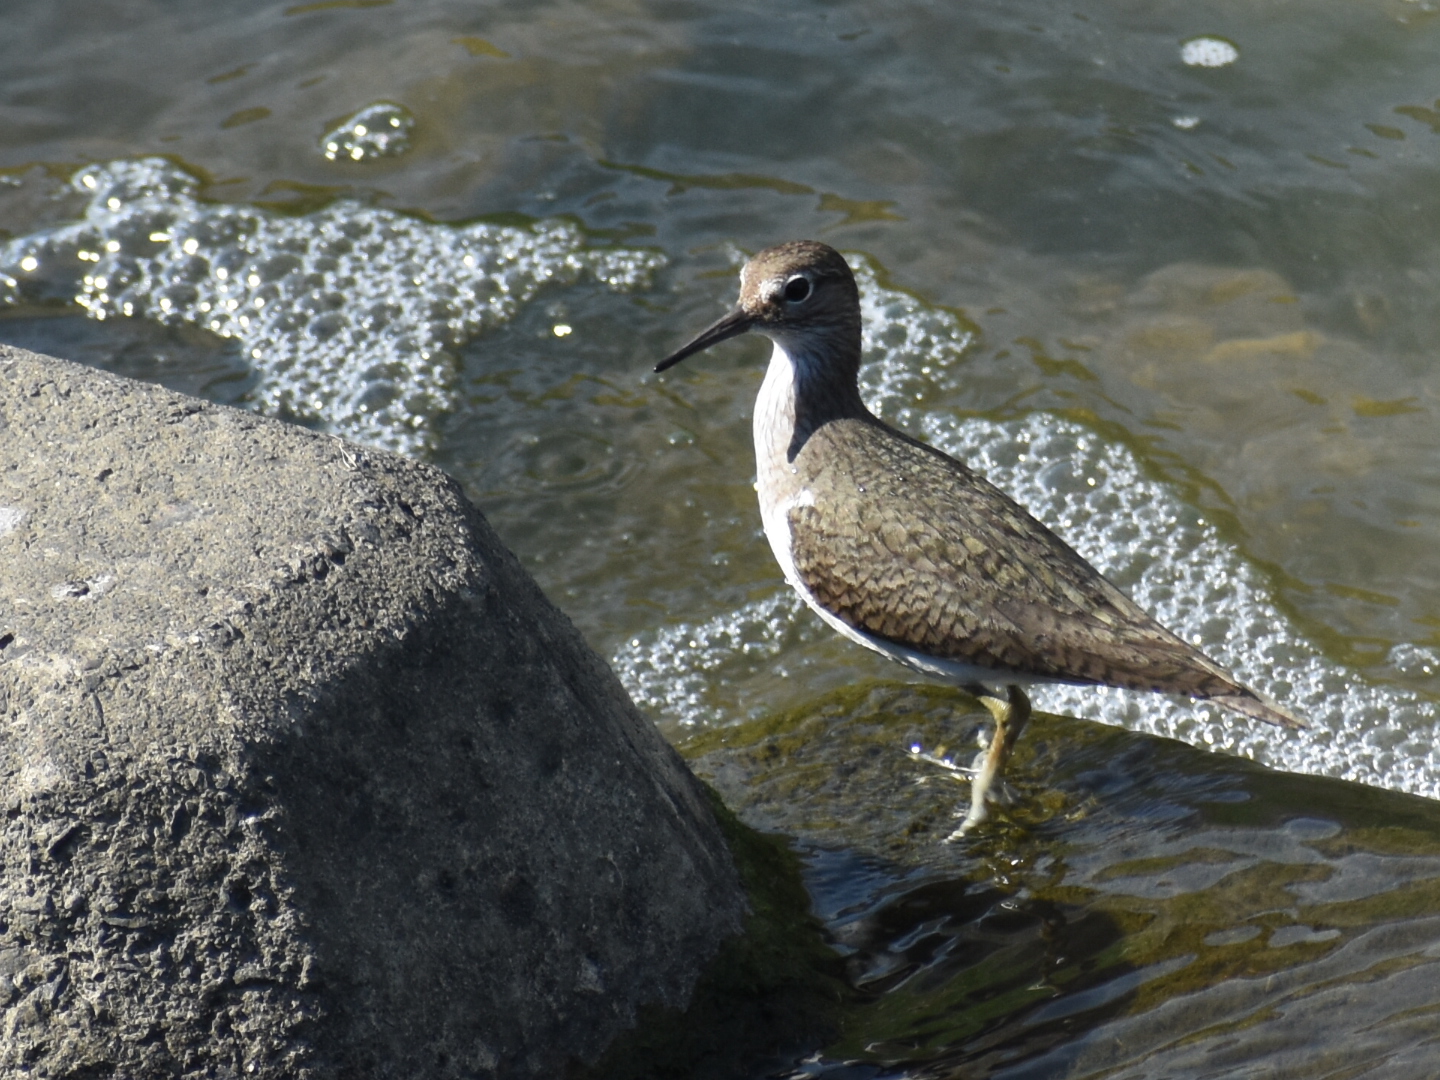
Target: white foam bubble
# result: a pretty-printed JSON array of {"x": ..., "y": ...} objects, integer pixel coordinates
[
  {"x": 675, "y": 671},
  {"x": 1208, "y": 52},
  {"x": 383, "y": 129},
  {"x": 349, "y": 314},
  {"x": 917, "y": 341},
  {"x": 1136, "y": 530}
]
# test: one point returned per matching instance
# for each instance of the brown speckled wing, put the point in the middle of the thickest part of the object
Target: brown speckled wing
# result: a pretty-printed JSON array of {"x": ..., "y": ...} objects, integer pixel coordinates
[{"x": 907, "y": 544}]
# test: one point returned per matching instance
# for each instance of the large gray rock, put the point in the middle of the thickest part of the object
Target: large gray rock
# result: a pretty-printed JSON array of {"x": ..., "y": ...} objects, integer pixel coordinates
[{"x": 300, "y": 773}]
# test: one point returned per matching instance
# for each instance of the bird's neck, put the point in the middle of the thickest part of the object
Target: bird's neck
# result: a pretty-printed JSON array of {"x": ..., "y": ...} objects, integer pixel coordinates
[{"x": 808, "y": 384}]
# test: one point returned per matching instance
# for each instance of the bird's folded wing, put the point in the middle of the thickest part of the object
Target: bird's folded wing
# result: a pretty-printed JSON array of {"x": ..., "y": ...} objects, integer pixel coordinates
[{"x": 949, "y": 565}]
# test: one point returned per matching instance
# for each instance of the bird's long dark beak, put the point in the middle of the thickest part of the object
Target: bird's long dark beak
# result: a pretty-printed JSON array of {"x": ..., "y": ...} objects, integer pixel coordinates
[{"x": 733, "y": 323}]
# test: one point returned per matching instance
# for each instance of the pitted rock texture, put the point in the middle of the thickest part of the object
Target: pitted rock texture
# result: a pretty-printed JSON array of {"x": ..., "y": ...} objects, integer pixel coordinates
[{"x": 301, "y": 775}]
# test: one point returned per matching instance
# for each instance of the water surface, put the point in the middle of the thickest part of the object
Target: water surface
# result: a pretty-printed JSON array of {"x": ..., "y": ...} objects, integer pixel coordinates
[{"x": 1164, "y": 271}]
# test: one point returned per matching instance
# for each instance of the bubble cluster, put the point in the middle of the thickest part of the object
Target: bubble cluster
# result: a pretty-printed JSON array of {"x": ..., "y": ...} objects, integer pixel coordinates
[
  {"x": 673, "y": 671},
  {"x": 1208, "y": 52},
  {"x": 383, "y": 129},
  {"x": 349, "y": 315},
  {"x": 1175, "y": 564},
  {"x": 918, "y": 341}
]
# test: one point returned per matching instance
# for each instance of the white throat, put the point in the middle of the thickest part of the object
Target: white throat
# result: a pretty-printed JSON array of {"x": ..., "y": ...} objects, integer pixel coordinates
[
  {"x": 793, "y": 372},
  {"x": 774, "y": 422}
]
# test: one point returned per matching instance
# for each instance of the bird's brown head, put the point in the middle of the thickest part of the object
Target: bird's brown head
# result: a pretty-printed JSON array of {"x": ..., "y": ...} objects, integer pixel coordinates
[{"x": 801, "y": 291}]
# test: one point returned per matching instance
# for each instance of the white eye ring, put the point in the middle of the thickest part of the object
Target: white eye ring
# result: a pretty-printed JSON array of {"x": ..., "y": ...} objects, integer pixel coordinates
[{"x": 797, "y": 290}]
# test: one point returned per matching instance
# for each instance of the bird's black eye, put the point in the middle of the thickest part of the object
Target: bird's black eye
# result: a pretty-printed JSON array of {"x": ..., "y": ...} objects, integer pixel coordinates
[{"x": 797, "y": 289}]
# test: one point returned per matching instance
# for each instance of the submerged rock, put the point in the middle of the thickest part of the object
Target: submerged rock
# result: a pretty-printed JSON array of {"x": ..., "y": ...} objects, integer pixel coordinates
[{"x": 301, "y": 775}]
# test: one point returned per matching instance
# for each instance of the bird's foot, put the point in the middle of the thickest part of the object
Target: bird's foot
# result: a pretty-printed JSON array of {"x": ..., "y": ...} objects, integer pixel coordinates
[{"x": 1011, "y": 714}]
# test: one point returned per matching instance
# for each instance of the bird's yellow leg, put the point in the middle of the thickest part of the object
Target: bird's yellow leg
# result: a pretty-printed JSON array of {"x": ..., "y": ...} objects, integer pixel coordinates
[{"x": 1011, "y": 714}]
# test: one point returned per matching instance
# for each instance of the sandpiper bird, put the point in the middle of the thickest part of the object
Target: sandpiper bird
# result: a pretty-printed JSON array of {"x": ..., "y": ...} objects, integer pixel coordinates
[{"x": 911, "y": 553}]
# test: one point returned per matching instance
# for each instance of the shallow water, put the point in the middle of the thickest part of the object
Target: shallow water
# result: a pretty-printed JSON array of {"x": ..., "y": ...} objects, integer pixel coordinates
[
  {"x": 1149, "y": 910},
  {"x": 1164, "y": 272}
]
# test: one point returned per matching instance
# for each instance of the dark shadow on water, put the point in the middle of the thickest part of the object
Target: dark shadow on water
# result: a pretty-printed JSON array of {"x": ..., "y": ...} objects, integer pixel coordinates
[{"x": 959, "y": 972}]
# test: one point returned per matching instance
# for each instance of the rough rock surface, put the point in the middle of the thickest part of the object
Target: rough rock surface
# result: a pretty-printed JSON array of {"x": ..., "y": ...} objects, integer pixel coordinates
[{"x": 300, "y": 773}]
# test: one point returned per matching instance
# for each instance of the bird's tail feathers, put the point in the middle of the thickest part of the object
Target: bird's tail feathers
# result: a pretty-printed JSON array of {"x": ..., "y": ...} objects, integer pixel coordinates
[{"x": 1259, "y": 707}]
